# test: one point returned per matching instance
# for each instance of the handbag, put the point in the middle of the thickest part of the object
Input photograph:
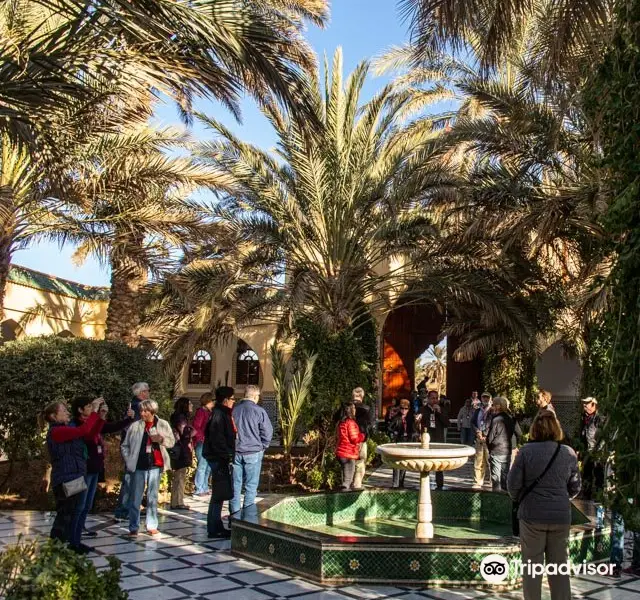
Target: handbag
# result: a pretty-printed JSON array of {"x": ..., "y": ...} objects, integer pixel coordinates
[
  {"x": 515, "y": 522},
  {"x": 75, "y": 486},
  {"x": 222, "y": 485}
]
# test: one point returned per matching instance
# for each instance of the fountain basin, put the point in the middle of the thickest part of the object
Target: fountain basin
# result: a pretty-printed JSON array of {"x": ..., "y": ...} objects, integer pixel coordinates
[
  {"x": 367, "y": 537},
  {"x": 414, "y": 457}
]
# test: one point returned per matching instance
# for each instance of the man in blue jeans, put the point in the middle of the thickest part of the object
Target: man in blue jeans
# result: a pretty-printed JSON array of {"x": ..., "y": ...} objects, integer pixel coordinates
[
  {"x": 254, "y": 433},
  {"x": 217, "y": 449}
]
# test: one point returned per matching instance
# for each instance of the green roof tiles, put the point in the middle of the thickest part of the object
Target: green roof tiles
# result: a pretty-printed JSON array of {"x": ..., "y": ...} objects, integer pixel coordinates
[{"x": 41, "y": 281}]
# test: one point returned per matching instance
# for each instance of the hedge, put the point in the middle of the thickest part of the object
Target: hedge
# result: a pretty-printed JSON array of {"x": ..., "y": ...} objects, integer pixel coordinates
[{"x": 36, "y": 371}]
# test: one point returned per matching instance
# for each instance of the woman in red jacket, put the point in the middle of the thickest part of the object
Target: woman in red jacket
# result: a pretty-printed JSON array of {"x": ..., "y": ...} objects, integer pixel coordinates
[{"x": 349, "y": 438}]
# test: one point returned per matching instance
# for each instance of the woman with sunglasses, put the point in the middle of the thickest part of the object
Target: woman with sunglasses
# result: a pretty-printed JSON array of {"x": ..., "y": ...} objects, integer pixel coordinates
[{"x": 401, "y": 429}]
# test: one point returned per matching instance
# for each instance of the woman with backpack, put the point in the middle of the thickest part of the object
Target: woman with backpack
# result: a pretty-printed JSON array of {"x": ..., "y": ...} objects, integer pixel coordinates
[
  {"x": 182, "y": 453},
  {"x": 504, "y": 433}
]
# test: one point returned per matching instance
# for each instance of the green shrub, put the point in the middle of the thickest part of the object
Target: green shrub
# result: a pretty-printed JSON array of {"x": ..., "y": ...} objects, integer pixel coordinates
[
  {"x": 52, "y": 571},
  {"x": 36, "y": 371},
  {"x": 345, "y": 360}
]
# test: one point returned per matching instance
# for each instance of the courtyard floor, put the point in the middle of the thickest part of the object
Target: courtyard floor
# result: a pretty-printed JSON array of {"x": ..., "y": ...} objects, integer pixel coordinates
[{"x": 183, "y": 563}]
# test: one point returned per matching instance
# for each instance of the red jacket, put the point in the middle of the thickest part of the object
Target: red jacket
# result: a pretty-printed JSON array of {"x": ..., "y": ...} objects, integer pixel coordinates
[
  {"x": 349, "y": 439},
  {"x": 200, "y": 423}
]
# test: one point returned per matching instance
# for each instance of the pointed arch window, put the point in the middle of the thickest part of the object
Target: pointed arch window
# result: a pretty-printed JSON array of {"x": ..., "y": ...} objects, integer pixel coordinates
[
  {"x": 200, "y": 368},
  {"x": 247, "y": 366}
]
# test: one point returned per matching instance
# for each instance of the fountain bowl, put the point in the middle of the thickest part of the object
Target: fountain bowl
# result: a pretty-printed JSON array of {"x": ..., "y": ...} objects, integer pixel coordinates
[{"x": 415, "y": 457}]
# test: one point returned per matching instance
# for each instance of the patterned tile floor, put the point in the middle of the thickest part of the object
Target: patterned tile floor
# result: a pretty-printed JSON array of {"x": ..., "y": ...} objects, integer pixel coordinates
[{"x": 183, "y": 564}]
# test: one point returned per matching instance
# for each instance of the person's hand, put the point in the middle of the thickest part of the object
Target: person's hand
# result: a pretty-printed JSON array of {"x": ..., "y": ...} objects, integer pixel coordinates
[
  {"x": 130, "y": 413},
  {"x": 437, "y": 408},
  {"x": 44, "y": 485},
  {"x": 157, "y": 439},
  {"x": 95, "y": 405}
]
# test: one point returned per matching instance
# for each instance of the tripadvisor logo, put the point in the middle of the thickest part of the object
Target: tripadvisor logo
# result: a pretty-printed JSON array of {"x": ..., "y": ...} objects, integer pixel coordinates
[{"x": 494, "y": 568}]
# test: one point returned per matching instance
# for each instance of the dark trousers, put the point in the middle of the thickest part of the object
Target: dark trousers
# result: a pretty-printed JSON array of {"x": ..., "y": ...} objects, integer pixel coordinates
[
  {"x": 214, "y": 515},
  {"x": 348, "y": 471},
  {"x": 65, "y": 526},
  {"x": 398, "y": 478},
  {"x": 592, "y": 476}
]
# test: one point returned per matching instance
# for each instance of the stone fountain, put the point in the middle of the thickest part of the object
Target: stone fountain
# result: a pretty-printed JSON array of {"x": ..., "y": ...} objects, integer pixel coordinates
[{"x": 425, "y": 457}]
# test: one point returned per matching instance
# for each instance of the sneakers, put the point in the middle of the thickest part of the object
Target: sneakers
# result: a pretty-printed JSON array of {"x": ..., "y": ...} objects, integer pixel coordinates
[
  {"x": 132, "y": 534},
  {"x": 153, "y": 532}
]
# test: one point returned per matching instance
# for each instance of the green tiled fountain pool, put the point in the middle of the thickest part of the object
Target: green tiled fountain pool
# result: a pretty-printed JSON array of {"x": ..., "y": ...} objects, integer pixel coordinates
[{"x": 368, "y": 536}]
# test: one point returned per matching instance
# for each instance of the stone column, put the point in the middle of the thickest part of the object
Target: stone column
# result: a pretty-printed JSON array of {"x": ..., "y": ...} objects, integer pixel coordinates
[{"x": 424, "y": 528}]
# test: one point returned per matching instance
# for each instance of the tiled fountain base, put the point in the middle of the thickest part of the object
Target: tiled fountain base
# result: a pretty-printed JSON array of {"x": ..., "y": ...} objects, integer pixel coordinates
[
  {"x": 183, "y": 565},
  {"x": 327, "y": 538}
]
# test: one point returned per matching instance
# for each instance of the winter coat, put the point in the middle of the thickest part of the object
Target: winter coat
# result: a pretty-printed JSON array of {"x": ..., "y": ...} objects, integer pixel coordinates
[
  {"x": 220, "y": 436},
  {"x": 200, "y": 423},
  {"x": 591, "y": 431},
  {"x": 440, "y": 422},
  {"x": 364, "y": 419},
  {"x": 133, "y": 442},
  {"x": 96, "y": 447},
  {"x": 504, "y": 434},
  {"x": 349, "y": 438},
  {"x": 67, "y": 449},
  {"x": 254, "y": 429},
  {"x": 400, "y": 432},
  {"x": 550, "y": 501},
  {"x": 183, "y": 434}
]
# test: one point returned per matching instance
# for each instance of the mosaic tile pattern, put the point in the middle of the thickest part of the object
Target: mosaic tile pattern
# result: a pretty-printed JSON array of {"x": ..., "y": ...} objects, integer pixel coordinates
[{"x": 184, "y": 565}]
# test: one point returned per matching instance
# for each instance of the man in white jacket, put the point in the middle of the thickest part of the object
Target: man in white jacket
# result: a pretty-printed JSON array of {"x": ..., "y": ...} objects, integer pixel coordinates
[{"x": 145, "y": 456}]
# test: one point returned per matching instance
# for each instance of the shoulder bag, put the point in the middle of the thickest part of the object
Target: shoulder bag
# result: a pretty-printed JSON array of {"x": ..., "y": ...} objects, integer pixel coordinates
[
  {"x": 75, "y": 486},
  {"x": 515, "y": 522}
]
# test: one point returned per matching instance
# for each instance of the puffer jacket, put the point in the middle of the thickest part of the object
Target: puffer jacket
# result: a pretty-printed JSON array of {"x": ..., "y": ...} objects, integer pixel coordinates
[
  {"x": 349, "y": 438},
  {"x": 550, "y": 501},
  {"x": 133, "y": 441}
]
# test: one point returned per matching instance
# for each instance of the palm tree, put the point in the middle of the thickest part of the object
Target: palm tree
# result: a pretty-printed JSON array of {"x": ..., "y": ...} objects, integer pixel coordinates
[
  {"x": 435, "y": 369},
  {"x": 132, "y": 212},
  {"x": 527, "y": 187},
  {"x": 569, "y": 35},
  {"x": 212, "y": 48},
  {"x": 334, "y": 206},
  {"x": 205, "y": 301}
]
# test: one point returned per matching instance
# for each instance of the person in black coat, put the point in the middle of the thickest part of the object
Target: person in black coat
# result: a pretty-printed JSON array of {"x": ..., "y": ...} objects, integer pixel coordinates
[
  {"x": 182, "y": 453},
  {"x": 504, "y": 433},
  {"x": 435, "y": 420},
  {"x": 218, "y": 450},
  {"x": 401, "y": 429}
]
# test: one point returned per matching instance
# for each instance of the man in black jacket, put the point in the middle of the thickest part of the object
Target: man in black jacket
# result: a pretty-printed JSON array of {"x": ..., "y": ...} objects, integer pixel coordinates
[
  {"x": 435, "y": 421},
  {"x": 218, "y": 449},
  {"x": 590, "y": 445}
]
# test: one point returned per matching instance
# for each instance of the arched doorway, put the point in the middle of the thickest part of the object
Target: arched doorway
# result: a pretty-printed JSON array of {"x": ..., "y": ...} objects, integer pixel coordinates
[
  {"x": 408, "y": 331},
  {"x": 10, "y": 330}
]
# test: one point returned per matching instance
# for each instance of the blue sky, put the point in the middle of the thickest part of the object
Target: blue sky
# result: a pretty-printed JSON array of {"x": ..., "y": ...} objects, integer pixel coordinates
[{"x": 363, "y": 28}]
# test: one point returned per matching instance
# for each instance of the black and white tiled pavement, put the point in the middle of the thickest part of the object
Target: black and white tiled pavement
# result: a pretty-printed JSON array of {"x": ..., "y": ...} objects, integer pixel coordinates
[{"x": 182, "y": 563}]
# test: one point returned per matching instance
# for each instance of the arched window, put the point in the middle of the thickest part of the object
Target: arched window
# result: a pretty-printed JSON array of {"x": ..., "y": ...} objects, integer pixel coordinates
[
  {"x": 247, "y": 365},
  {"x": 154, "y": 354},
  {"x": 200, "y": 368}
]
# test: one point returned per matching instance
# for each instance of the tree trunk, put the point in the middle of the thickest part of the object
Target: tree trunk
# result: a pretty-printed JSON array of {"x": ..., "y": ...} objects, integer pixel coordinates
[
  {"x": 5, "y": 265},
  {"x": 125, "y": 307}
]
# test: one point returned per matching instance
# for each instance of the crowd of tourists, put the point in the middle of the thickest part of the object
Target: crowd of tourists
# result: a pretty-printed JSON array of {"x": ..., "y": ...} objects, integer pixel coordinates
[{"x": 227, "y": 438}]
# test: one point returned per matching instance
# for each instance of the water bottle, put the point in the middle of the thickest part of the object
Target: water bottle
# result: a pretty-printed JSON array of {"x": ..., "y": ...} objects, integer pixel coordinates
[{"x": 599, "y": 516}]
